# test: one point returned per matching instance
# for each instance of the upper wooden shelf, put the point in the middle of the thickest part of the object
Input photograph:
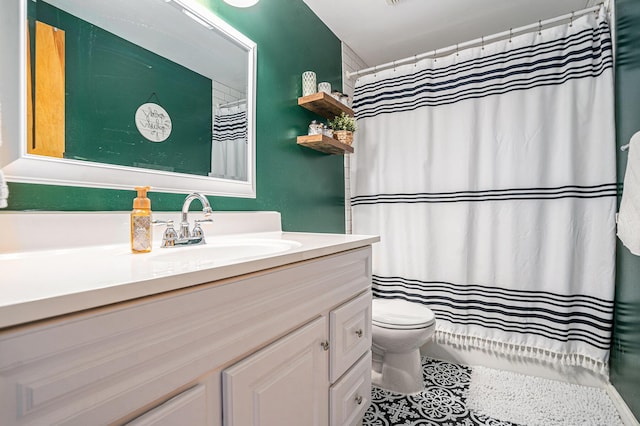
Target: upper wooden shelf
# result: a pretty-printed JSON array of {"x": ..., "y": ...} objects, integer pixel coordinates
[{"x": 324, "y": 104}]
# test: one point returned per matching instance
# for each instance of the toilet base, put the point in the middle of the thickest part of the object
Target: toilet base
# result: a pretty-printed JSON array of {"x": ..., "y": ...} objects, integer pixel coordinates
[{"x": 400, "y": 373}]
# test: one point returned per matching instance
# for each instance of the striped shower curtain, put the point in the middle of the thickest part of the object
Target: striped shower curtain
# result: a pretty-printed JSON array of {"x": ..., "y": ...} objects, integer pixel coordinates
[
  {"x": 229, "y": 143},
  {"x": 490, "y": 177}
]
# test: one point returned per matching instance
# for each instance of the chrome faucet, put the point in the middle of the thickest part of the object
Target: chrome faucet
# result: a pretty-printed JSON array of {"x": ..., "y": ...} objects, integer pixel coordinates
[
  {"x": 184, "y": 223},
  {"x": 186, "y": 237}
]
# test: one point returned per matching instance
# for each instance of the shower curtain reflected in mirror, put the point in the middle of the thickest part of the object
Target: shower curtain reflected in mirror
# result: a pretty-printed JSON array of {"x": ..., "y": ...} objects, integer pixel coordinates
[
  {"x": 229, "y": 142},
  {"x": 490, "y": 177}
]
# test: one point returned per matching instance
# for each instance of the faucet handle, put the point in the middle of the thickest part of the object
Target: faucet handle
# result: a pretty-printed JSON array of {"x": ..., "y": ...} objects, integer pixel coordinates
[
  {"x": 197, "y": 230},
  {"x": 199, "y": 221},
  {"x": 169, "y": 222},
  {"x": 170, "y": 235}
]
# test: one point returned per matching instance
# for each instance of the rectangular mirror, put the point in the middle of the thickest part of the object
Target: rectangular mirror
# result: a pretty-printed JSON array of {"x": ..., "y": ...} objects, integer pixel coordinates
[{"x": 116, "y": 93}]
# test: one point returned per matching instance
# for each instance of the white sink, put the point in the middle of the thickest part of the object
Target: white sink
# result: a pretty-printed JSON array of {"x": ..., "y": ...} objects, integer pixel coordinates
[{"x": 222, "y": 250}]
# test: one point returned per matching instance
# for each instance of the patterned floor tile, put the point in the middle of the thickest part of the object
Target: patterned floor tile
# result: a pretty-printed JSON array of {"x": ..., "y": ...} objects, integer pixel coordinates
[{"x": 441, "y": 403}]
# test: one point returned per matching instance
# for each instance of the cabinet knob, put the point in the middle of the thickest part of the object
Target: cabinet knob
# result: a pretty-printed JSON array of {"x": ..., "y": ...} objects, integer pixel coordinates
[
  {"x": 325, "y": 345},
  {"x": 359, "y": 400},
  {"x": 359, "y": 332}
]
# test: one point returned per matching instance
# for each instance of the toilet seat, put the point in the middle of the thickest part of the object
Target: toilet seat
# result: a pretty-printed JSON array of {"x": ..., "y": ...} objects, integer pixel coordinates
[{"x": 400, "y": 314}]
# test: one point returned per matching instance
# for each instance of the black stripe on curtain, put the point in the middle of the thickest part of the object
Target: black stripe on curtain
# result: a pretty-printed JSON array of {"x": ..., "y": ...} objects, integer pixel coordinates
[
  {"x": 550, "y": 64},
  {"x": 558, "y": 317},
  {"x": 553, "y": 193}
]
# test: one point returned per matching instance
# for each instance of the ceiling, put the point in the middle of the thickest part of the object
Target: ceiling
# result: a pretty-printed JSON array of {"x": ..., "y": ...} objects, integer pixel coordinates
[{"x": 381, "y": 33}]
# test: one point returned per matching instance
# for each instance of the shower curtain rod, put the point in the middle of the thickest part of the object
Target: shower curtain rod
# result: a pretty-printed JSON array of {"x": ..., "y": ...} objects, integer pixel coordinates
[
  {"x": 476, "y": 42},
  {"x": 232, "y": 103}
]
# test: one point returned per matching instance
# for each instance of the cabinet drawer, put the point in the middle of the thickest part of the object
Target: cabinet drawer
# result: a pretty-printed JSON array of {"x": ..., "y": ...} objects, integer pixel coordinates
[
  {"x": 187, "y": 408},
  {"x": 351, "y": 395},
  {"x": 350, "y": 334}
]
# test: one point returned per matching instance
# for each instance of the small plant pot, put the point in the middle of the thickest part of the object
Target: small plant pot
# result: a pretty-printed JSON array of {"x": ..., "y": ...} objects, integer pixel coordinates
[{"x": 344, "y": 136}]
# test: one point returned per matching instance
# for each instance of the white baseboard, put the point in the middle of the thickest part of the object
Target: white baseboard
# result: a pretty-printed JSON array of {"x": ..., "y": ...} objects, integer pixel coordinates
[{"x": 623, "y": 409}]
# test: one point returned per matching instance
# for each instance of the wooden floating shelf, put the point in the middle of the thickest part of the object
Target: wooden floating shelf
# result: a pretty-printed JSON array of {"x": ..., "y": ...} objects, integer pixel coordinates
[
  {"x": 325, "y": 144},
  {"x": 324, "y": 105}
]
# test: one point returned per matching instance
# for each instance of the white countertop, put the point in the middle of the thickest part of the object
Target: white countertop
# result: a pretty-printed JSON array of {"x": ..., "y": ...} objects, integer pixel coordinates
[{"x": 38, "y": 284}]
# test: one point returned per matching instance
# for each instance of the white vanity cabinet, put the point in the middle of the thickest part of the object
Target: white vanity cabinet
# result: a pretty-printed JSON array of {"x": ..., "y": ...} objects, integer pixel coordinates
[
  {"x": 187, "y": 408},
  {"x": 297, "y": 380},
  {"x": 160, "y": 360}
]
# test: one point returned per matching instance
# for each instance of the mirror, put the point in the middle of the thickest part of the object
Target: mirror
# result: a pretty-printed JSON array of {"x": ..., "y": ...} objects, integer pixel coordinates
[{"x": 118, "y": 93}]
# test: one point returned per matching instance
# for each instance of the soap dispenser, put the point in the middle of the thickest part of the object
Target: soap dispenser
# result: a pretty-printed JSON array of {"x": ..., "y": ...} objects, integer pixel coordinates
[{"x": 141, "y": 235}]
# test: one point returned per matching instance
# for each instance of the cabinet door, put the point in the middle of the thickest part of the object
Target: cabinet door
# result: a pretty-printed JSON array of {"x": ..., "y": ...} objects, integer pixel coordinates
[
  {"x": 284, "y": 384},
  {"x": 187, "y": 408},
  {"x": 350, "y": 334}
]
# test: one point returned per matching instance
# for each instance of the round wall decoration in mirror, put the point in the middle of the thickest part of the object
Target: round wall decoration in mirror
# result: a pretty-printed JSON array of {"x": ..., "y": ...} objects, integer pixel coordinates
[{"x": 153, "y": 122}]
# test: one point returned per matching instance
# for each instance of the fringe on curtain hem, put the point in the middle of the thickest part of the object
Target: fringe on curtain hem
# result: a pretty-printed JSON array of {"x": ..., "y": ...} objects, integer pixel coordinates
[{"x": 522, "y": 351}]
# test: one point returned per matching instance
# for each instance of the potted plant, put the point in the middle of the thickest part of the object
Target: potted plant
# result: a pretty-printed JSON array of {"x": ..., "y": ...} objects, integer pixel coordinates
[{"x": 343, "y": 127}]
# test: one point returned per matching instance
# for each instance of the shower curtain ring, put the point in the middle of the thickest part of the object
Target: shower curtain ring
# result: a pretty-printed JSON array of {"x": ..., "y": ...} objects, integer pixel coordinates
[
  {"x": 571, "y": 20},
  {"x": 415, "y": 60},
  {"x": 435, "y": 55},
  {"x": 539, "y": 27},
  {"x": 457, "y": 50},
  {"x": 394, "y": 66},
  {"x": 510, "y": 34},
  {"x": 482, "y": 42}
]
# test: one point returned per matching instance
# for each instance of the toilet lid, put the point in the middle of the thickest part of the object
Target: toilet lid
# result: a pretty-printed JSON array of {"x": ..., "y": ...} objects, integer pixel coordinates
[{"x": 396, "y": 312}]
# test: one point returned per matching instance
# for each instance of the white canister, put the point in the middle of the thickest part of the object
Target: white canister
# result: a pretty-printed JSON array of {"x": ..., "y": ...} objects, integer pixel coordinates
[
  {"x": 324, "y": 87},
  {"x": 308, "y": 83},
  {"x": 315, "y": 128}
]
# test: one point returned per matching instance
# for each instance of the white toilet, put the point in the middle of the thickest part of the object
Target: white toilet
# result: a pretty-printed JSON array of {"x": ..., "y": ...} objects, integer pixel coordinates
[{"x": 398, "y": 330}]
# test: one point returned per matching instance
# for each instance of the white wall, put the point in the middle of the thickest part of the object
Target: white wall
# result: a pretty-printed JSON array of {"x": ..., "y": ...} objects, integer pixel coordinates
[
  {"x": 223, "y": 94},
  {"x": 350, "y": 62}
]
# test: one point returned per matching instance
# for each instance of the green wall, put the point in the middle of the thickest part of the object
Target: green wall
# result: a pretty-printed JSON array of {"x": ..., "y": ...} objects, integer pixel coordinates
[
  {"x": 625, "y": 351},
  {"x": 306, "y": 186}
]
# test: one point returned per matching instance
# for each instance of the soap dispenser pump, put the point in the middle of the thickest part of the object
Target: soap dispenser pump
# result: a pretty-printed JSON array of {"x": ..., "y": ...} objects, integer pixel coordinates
[{"x": 141, "y": 222}]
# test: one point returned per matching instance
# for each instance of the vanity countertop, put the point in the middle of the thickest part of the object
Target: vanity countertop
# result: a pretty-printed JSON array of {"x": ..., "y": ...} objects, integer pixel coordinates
[{"x": 39, "y": 284}]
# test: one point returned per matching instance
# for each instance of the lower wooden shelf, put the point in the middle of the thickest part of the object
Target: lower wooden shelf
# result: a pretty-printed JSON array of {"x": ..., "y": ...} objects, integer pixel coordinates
[{"x": 325, "y": 144}]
